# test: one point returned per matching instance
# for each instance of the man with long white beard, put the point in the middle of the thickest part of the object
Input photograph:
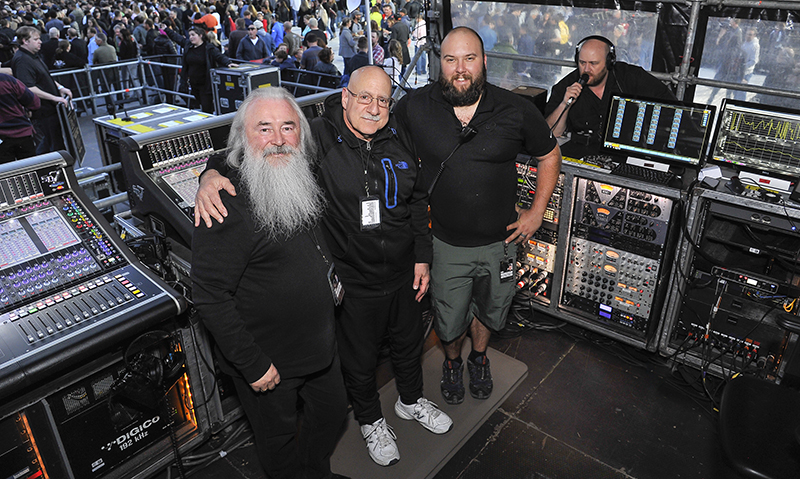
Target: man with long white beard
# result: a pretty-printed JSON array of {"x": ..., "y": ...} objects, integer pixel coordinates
[
  {"x": 265, "y": 287},
  {"x": 377, "y": 228}
]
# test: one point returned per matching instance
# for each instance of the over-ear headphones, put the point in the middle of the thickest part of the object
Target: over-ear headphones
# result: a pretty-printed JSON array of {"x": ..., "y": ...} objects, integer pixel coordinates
[
  {"x": 155, "y": 357},
  {"x": 611, "y": 58}
]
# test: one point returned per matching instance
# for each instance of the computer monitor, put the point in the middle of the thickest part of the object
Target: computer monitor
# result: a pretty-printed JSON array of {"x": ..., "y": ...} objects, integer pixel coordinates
[
  {"x": 758, "y": 138},
  {"x": 671, "y": 132}
]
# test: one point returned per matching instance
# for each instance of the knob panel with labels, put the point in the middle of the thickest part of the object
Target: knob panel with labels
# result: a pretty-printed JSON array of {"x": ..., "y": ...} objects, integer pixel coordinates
[{"x": 616, "y": 252}]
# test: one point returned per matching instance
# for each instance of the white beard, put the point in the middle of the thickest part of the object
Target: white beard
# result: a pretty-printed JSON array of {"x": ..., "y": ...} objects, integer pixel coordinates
[{"x": 285, "y": 199}]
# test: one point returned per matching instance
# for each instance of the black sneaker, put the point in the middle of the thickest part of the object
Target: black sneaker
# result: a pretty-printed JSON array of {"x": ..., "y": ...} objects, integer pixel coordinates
[
  {"x": 480, "y": 377},
  {"x": 452, "y": 382}
]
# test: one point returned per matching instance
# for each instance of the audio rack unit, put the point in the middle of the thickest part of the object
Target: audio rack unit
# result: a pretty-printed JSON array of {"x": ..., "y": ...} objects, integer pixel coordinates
[
  {"x": 620, "y": 232},
  {"x": 728, "y": 296},
  {"x": 538, "y": 257},
  {"x": 116, "y": 416},
  {"x": 617, "y": 256}
]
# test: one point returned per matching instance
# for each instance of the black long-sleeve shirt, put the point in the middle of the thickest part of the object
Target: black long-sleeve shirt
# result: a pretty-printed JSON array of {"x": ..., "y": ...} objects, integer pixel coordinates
[{"x": 264, "y": 301}]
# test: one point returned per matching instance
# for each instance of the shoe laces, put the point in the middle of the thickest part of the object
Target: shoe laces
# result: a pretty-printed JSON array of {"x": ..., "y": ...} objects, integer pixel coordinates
[
  {"x": 481, "y": 368},
  {"x": 382, "y": 432},
  {"x": 453, "y": 372},
  {"x": 429, "y": 407}
]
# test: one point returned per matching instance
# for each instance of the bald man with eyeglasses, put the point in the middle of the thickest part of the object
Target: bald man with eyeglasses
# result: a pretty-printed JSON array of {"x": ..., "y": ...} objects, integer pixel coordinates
[{"x": 377, "y": 230}]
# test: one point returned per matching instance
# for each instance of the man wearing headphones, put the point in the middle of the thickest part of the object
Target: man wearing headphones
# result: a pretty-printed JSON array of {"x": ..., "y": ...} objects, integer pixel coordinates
[{"x": 595, "y": 57}]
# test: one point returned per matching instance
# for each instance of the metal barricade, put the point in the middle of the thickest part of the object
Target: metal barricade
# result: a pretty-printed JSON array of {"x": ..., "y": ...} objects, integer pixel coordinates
[
  {"x": 162, "y": 76},
  {"x": 122, "y": 82}
]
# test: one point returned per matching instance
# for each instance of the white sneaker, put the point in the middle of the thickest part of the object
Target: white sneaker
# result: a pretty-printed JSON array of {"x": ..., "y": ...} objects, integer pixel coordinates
[
  {"x": 426, "y": 413},
  {"x": 380, "y": 442}
]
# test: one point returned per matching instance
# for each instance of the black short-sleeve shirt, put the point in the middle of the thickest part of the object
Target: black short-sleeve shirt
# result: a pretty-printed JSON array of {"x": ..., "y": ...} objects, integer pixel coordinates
[{"x": 473, "y": 201}]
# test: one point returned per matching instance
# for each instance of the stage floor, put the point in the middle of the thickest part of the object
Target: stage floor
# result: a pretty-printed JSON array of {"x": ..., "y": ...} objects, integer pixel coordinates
[{"x": 588, "y": 408}]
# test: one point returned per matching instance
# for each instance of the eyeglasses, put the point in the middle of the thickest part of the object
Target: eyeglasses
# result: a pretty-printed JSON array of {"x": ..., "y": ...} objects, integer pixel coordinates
[
  {"x": 253, "y": 28},
  {"x": 367, "y": 99}
]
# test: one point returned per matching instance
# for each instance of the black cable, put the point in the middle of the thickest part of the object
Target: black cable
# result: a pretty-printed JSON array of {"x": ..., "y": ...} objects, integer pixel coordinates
[
  {"x": 169, "y": 413},
  {"x": 759, "y": 322}
]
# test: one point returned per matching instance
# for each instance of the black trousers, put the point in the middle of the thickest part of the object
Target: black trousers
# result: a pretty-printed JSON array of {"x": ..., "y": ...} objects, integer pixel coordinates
[
  {"x": 361, "y": 325},
  {"x": 204, "y": 99},
  {"x": 49, "y": 126},
  {"x": 285, "y": 453},
  {"x": 12, "y": 149}
]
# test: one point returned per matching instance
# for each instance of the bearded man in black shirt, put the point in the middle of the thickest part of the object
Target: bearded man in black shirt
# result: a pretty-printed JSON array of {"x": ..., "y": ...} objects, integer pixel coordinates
[{"x": 467, "y": 134}]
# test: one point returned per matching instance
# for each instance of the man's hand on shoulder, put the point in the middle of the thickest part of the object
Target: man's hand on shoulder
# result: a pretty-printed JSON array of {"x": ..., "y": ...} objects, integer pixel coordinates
[{"x": 207, "y": 203}]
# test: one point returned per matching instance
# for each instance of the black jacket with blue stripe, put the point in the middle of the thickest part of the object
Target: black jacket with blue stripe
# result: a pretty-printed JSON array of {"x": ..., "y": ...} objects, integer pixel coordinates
[{"x": 377, "y": 261}]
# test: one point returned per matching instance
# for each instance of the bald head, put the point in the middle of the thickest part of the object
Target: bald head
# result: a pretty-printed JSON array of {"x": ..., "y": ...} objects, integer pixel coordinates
[
  {"x": 460, "y": 35},
  {"x": 366, "y": 101},
  {"x": 596, "y": 46},
  {"x": 371, "y": 76}
]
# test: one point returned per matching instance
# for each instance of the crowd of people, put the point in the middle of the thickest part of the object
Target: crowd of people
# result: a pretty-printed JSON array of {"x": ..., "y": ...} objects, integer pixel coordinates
[
  {"x": 256, "y": 31},
  {"x": 72, "y": 34},
  {"x": 344, "y": 225}
]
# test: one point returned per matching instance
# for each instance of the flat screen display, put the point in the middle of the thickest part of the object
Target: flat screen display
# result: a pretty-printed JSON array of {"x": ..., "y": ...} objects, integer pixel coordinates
[
  {"x": 758, "y": 137},
  {"x": 673, "y": 132}
]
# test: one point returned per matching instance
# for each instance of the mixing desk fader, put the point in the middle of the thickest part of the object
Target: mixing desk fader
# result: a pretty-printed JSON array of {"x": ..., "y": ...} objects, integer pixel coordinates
[{"x": 68, "y": 286}]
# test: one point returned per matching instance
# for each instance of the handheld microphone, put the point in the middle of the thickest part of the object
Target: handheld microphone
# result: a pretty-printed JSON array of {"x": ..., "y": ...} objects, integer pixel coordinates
[{"x": 582, "y": 82}]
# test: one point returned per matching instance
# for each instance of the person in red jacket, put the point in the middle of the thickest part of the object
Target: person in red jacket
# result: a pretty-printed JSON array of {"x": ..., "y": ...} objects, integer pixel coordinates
[{"x": 16, "y": 130}]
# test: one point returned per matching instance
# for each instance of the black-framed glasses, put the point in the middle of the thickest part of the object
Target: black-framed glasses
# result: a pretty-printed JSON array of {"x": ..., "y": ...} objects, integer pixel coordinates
[
  {"x": 367, "y": 99},
  {"x": 252, "y": 28}
]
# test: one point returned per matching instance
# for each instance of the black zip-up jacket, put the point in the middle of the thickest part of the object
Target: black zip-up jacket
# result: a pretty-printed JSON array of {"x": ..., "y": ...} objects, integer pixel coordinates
[{"x": 378, "y": 261}]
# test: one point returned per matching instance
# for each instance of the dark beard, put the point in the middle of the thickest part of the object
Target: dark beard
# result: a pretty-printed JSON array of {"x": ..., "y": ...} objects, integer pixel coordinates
[{"x": 470, "y": 96}]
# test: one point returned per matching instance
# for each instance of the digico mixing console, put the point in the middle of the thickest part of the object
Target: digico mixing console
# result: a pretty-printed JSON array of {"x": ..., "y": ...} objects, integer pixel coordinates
[
  {"x": 68, "y": 287},
  {"x": 539, "y": 256},
  {"x": 162, "y": 169},
  {"x": 616, "y": 255}
]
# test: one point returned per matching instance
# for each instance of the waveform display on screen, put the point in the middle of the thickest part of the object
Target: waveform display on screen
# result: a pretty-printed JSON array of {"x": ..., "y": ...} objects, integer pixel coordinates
[{"x": 757, "y": 138}]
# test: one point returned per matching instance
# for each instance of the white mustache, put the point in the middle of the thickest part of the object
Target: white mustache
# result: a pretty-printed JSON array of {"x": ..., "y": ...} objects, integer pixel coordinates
[{"x": 278, "y": 150}]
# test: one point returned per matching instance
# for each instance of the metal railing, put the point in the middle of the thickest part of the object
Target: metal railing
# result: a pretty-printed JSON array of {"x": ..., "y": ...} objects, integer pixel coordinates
[
  {"x": 685, "y": 74},
  {"x": 122, "y": 82}
]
